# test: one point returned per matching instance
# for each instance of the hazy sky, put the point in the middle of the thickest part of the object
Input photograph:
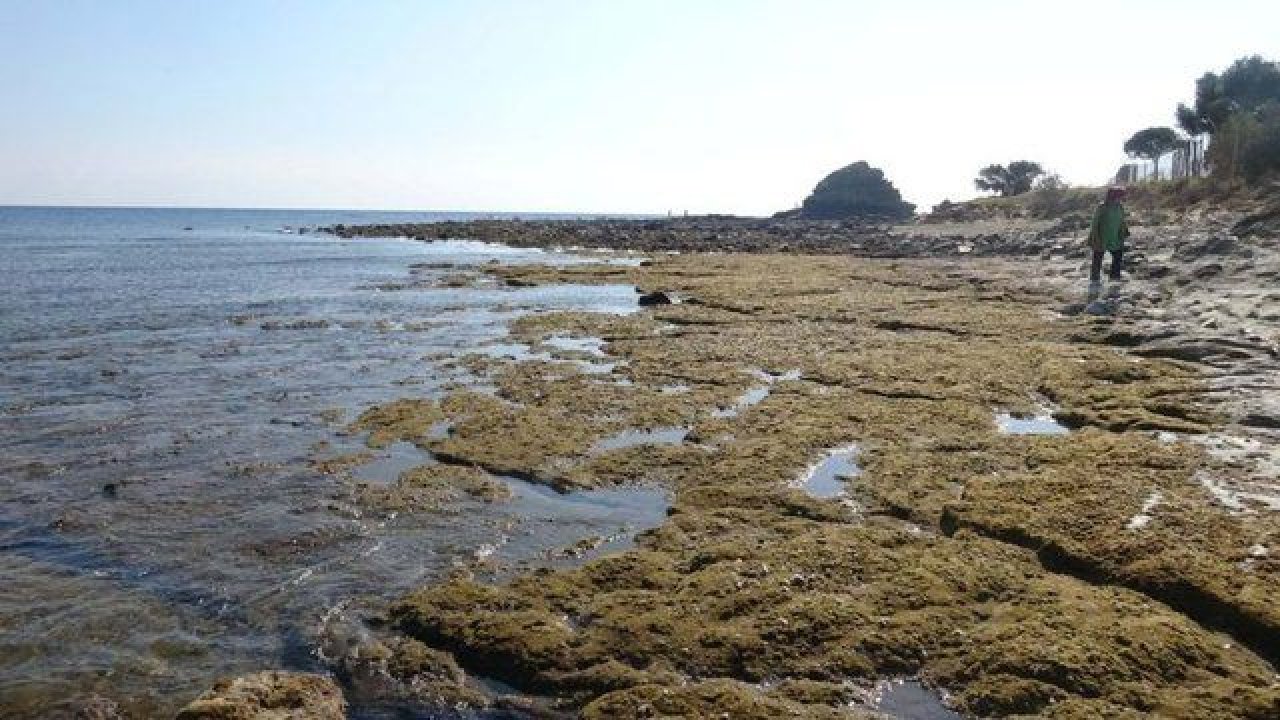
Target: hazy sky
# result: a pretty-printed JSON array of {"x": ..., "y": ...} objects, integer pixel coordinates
[{"x": 645, "y": 106}]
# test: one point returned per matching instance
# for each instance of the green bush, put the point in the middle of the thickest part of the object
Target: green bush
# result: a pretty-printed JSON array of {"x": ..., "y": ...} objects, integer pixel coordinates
[
  {"x": 1247, "y": 145},
  {"x": 1014, "y": 179},
  {"x": 1260, "y": 155}
]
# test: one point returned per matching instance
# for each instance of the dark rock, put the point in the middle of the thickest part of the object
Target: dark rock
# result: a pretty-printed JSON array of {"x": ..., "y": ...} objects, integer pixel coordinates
[
  {"x": 1260, "y": 224},
  {"x": 1195, "y": 349},
  {"x": 1151, "y": 271},
  {"x": 1219, "y": 244},
  {"x": 1206, "y": 271},
  {"x": 655, "y": 298},
  {"x": 1261, "y": 420}
]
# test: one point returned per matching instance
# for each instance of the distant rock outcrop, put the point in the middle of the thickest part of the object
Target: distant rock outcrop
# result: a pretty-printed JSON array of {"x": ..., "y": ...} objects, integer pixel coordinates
[{"x": 853, "y": 191}]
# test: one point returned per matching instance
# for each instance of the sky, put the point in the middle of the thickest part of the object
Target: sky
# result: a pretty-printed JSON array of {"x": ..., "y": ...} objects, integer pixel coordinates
[{"x": 644, "y": 106}]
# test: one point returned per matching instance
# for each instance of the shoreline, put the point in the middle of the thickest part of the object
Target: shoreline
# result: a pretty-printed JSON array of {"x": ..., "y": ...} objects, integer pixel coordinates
[{"x": 713, "y": 234}]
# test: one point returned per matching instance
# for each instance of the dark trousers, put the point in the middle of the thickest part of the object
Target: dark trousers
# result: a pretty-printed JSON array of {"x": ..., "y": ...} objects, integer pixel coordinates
[{"x": 1095, "y": 268}]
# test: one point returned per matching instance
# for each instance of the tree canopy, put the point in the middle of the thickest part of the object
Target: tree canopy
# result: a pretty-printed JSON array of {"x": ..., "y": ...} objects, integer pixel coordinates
[
  {"x": 1014, "y": 179},
  {"x": 855, "y": 191},
  {"x": 1152, "y": 142},
  {"x": 1240, "y": 110},
  {"x": 1247, "y": 86}
]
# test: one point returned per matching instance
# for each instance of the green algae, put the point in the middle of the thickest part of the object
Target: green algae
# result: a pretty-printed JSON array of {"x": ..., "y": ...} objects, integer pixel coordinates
[
  {"x": 429, "y": 488},
  {"x": 409, "y": 419}
]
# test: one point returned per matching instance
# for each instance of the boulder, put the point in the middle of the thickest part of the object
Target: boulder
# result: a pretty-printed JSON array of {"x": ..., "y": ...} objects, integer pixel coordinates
[{"x": 270, "y": 695}]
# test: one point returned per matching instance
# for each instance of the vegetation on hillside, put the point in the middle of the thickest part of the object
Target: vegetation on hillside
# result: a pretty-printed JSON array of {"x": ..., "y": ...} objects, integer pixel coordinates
[
  {"x": 1014, "y": 179},
  {"x": 854, "y": 191},
  {"x": 1240, "y": 111}
]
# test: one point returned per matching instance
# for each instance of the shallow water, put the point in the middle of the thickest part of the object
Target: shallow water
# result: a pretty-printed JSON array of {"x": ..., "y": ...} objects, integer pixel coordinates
[
  {"x": 635, "y": 437},
  {"x": 1041, "y": 424},
  {"x": 161, "y": 393},
  {"x": 825, "y": 478},
  {"x": 910, "y": 700},
  {"x": 571, "y": 348},
  {"x": 751, "y": 397},
  {"x": 389, "y": 464},
  {"x": 592, "y": 346}
]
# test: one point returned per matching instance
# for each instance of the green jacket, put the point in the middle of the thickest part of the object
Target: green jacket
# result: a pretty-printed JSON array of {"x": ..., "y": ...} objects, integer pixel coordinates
[{"x": 1109, "y": 229}]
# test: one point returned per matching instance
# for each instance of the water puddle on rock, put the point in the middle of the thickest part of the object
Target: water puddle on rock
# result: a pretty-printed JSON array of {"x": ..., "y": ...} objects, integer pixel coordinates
[
  {"x": 772, "y": 377},
  {"x": 634, "y": 437},
  {"x": 537, "y": 524},
  {"x": 570, "y": 527},
  {"x": 592, "y": 346},
  {"x": 395, "y": 459},
  {"x": 825, "y": 478},
  {"x": 744, "y": 401},
  {"x": 910, "y": 700},
  {"x": 522, "y": 352},
  {"x": 1039, "y": 424},
  {"x": 755, "y": 395}
]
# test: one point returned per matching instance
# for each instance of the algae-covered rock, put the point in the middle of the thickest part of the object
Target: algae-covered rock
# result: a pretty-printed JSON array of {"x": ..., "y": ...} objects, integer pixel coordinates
[
  {"x": 410, "y": 419},
  {"x": 711, "y": 699},
  {"x": 270, "y": 695},
  {"x": 1002, "y": 568},
  {"x": 404, "y": 670},
  {"x": 429, "y": 488}
]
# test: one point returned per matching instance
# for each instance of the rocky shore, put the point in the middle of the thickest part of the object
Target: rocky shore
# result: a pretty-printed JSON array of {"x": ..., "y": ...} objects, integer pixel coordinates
[
  {"x": 1048, "y": 504},
  {"x": 1001, "y": 236}
]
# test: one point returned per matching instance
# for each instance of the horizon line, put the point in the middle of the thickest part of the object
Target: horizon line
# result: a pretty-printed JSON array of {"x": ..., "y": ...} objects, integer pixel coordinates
[{"x": 128, "y": 206}]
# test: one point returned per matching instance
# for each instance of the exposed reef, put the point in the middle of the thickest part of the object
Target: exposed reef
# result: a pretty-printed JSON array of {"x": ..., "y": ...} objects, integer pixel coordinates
[{"x": 1003, "y": 568}]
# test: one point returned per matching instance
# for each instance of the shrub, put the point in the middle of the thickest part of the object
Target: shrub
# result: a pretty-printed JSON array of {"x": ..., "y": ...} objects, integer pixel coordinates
[{"x": 1015, "y": 179}]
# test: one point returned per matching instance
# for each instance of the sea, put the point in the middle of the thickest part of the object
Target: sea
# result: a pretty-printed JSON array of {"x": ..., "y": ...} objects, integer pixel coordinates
[{"x": 168, "y": 378}]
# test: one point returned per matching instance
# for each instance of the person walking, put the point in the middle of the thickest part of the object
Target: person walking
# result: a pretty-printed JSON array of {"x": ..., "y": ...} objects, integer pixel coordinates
[{"x": 1107, "y": 235}]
